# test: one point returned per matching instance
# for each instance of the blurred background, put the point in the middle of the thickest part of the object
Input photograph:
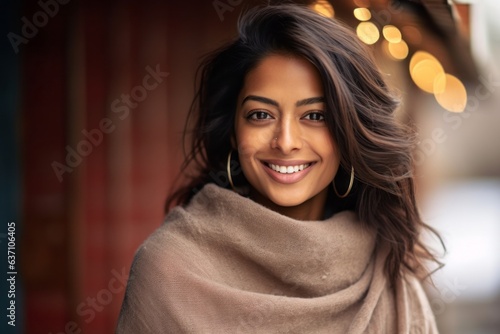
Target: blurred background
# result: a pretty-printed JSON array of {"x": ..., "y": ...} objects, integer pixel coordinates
[{"x": 94, "y": 96}]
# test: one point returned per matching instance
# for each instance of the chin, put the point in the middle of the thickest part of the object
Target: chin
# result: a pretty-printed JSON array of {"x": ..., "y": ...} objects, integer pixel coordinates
[
  {"x": 288, "y": 204},
  {"x": 286, "y": 200}
]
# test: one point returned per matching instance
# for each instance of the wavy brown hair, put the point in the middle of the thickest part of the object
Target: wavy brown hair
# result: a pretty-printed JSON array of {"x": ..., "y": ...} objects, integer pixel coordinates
[{"x": 359, "y": 114}]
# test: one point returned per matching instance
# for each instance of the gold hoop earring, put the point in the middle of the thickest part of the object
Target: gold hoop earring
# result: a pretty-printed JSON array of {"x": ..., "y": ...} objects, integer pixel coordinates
[
  {"x": 351, "y": 182},
  {"x": 228, "y": 168}
]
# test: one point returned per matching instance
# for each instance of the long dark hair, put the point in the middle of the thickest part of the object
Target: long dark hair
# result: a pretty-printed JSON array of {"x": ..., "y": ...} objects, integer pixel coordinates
[{"x": 360, "y": 116}]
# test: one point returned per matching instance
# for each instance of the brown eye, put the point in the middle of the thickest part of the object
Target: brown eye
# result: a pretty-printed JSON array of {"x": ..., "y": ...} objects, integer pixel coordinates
[
  {"x": 315, "y": 116},
  {"x": 259, "y": 115}
]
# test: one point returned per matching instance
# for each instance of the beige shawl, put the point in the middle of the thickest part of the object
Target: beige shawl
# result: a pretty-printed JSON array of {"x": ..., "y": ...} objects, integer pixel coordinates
[{"x": 225, "y": 264}]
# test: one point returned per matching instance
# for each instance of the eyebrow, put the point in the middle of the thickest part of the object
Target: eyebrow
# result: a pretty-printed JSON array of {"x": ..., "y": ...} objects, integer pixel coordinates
[
  {"x": 311, "y": 100},
  {"x": 269, "y": 101}
]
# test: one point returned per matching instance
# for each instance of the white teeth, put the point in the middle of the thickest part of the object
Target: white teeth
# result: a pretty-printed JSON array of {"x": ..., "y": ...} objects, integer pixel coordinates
[{"x": 288, "y": 169}]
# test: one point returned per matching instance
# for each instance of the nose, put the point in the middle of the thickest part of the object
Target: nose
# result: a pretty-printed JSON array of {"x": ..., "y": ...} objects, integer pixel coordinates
[{"x": 288, "y": 136}]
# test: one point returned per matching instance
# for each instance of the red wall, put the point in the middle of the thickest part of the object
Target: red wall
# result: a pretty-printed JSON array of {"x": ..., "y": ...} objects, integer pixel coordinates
[{"x": 82, "y": 228}]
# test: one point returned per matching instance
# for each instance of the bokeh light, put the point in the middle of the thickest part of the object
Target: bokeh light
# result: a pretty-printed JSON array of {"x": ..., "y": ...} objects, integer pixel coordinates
[
  {"x": 391, "y": 34},
  {"x": 419, "y": 56},
  {"x": 324, "y": 8},
  {"x": 424, "y": 68},
  {"x": 425, "y": 72},
  {"x": 450, "y": 92},
  {"x": 362, "y": 14},
  {"x": 429, "y": 75},
  {"x": 398, "y": 50},
  {"x": 368, "y": 32}
]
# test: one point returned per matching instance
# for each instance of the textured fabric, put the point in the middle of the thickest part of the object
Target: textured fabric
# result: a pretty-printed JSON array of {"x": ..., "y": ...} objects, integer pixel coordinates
[{"x": 225, "y": 264}]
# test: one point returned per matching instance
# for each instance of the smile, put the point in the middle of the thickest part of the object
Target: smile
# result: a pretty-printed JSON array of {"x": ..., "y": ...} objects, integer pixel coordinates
[
  {"x": 288, "y": 169},
  {"x": 287, "y": 172}
]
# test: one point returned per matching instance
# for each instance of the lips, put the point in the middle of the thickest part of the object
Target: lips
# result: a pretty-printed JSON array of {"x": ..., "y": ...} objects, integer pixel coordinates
[{"x": 283, "y": 171}]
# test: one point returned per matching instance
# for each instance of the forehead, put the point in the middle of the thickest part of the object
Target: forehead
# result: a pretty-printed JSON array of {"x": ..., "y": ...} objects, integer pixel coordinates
[{"x": 284, "y": 73}]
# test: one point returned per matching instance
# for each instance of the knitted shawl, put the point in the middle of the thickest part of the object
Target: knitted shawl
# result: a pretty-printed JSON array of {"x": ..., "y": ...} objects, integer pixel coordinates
[{"x": 226, "y": 264}]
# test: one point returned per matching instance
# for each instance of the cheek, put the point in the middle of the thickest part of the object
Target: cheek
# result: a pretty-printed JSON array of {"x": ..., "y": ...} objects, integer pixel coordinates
[
  {"x": 334, "y": 153},
  {"x": 246, "y": 152},
  {"x": 331, "y": 153},
  {"x": 246, "y": 149},
  {"x": 325, "y": 144},
  {"x": 243, "y": 142},
  {"x": 249, "y": 141}
]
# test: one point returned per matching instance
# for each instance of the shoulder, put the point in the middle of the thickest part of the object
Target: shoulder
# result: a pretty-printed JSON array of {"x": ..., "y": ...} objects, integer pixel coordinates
[
  {"x": 413, "y": 299},
  {"x": 155, "y": 273},
  {"x": 159, "y": 251}
]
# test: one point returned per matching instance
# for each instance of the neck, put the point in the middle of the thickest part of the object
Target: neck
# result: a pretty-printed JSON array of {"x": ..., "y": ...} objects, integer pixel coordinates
[{"x": 312, "y": 209}]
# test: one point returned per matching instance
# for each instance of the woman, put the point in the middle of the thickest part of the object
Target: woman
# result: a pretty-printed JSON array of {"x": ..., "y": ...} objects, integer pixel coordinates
[{"x": 302, "y": 214}]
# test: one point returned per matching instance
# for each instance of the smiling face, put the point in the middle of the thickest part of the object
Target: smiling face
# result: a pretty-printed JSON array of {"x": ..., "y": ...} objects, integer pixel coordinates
[{"x": 285, "y": 149}]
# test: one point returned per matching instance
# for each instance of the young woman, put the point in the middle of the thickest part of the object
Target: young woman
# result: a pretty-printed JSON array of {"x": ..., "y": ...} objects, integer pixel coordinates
[{"x": 302, "y": 215}]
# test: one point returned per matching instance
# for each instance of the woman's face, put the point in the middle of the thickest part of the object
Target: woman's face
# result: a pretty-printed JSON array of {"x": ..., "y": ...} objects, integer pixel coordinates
[{"x": 285, "y": 148}]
